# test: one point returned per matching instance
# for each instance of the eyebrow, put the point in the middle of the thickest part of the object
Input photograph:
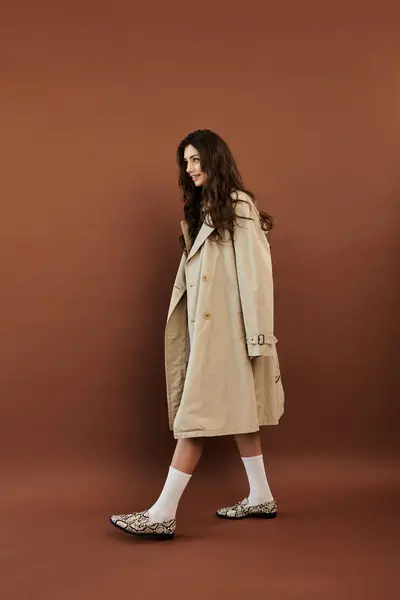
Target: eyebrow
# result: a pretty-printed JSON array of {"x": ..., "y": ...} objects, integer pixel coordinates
[{"x": 193, "y": 156}]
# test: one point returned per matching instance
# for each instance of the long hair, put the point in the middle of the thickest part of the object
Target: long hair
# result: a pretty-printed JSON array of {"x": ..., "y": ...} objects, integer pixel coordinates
[{"x": 213, "y": 200}]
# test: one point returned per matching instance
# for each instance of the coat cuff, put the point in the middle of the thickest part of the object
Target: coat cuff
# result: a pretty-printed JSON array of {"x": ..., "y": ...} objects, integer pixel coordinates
[{"x": 261, "y": 345}]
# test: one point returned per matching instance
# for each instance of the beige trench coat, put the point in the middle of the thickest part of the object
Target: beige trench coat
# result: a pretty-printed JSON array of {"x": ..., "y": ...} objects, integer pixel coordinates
[{"x": 220, "y": 315}]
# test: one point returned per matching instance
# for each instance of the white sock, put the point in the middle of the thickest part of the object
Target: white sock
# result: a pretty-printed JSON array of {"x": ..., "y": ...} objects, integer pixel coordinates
[
  {"x": 166, "y": 505},
  {"x": 259, "y": 488}
]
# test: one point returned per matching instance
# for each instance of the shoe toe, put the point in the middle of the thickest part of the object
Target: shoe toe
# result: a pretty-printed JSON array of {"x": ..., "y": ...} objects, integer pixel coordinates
[{"x": 119, "y": 521}]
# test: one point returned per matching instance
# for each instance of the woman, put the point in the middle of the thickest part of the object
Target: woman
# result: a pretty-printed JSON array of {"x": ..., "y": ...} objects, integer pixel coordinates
[{"x": 222, "y": 369}]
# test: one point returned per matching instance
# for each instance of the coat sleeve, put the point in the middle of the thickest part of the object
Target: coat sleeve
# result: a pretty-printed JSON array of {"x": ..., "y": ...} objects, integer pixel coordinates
[{"x": 255, "y": 280}]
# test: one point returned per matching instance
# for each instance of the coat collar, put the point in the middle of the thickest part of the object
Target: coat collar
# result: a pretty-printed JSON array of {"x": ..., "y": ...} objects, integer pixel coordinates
[{"x": 203, "y": 234}]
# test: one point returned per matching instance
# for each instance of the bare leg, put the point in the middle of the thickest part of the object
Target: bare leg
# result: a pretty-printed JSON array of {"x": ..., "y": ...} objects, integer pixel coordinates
[
  {"x": 187, "y": 454},
  {"x": 249, "y": 444}
]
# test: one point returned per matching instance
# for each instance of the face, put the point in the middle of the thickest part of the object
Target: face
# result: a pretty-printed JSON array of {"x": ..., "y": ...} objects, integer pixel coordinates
[{"x": 193, "y": 166}]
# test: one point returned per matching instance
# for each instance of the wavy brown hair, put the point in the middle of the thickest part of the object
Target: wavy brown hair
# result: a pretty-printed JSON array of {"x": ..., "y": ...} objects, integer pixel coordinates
[{"x": 213, "y": 200}]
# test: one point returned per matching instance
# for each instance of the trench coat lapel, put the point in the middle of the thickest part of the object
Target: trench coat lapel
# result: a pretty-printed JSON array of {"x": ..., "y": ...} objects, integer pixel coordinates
[
  {"x": 203, "y": 234},
  {"x": 179, "y": 287},
  {"x": 180, "y": 280},
  {"x": 185, "y": 231}
]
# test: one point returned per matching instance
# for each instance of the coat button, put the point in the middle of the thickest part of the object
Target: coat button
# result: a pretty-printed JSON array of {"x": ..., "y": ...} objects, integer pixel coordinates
[{"x": 207, "y": 315}]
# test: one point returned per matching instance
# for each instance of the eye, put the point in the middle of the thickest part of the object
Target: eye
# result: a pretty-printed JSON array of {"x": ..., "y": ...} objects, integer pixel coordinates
[{"x": 196, "y": 160}]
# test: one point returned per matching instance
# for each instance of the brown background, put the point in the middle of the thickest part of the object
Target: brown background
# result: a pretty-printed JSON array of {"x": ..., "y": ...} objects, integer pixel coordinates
[{"x": 94, "y": 100}]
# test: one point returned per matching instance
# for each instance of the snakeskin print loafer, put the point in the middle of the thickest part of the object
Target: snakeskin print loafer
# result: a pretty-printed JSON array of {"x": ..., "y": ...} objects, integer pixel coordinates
[
  {"x": 138, "y": 524},
  {"x": 267, "y": 510}
]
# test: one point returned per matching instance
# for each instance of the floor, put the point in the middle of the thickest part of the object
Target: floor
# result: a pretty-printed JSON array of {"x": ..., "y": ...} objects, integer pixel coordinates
[{"x": 336, "y": 537}]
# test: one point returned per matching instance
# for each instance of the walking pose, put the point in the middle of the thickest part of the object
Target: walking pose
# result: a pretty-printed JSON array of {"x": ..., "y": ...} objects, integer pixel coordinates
[{"x": 221, "y": 364}]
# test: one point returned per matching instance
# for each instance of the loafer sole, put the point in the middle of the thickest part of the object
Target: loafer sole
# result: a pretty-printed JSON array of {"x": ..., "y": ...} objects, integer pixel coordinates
[
  {"x": 249, "y": 516},
  {"x": 154, "y": 536}
]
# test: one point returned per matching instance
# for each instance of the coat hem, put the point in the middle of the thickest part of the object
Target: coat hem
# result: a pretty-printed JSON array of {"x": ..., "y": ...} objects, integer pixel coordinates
[{"x": 220, "y": 432}]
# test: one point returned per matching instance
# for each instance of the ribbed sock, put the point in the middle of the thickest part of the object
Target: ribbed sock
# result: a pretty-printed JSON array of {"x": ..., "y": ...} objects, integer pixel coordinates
[
  {"x": 259, "y": 488},
  {"x": 166, "y": 506}
]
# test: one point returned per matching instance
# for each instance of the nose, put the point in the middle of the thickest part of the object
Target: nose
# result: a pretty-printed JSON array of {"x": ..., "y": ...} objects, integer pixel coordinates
[{"x": 189, "y": 169}]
